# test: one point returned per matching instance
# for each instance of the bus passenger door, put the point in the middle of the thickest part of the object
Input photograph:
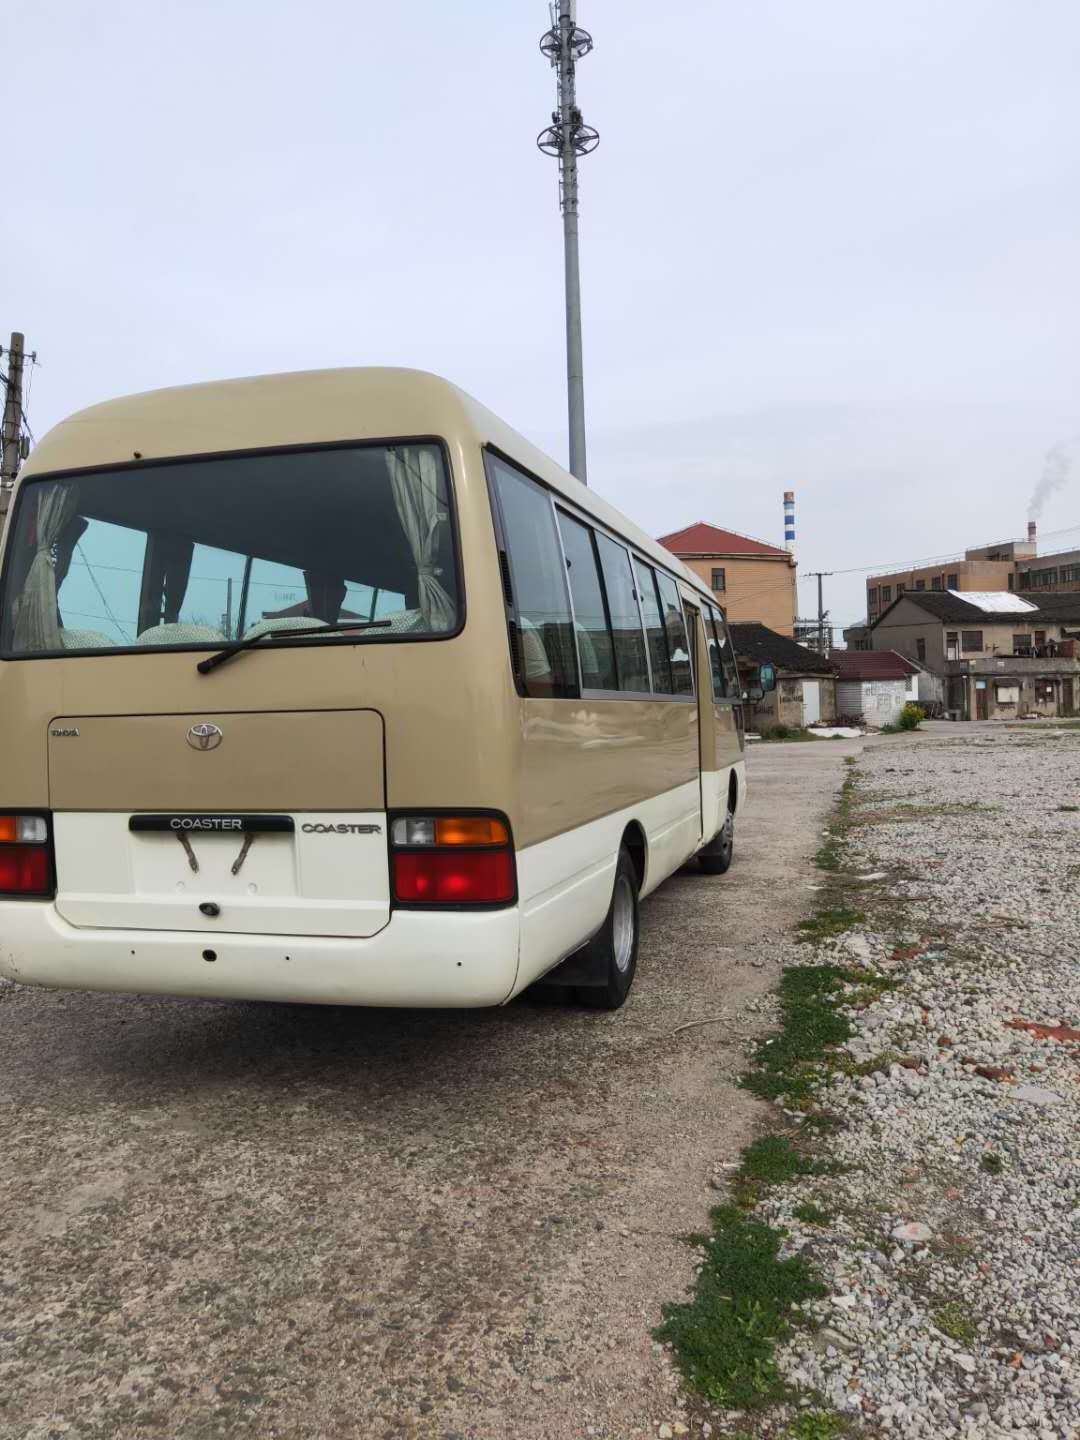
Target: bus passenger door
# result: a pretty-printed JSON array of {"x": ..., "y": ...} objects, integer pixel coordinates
[{"x": 706, "y": 723}]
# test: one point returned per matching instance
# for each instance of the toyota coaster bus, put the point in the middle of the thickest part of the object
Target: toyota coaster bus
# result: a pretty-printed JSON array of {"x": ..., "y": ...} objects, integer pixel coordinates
[{"x": 329, "y": 687}]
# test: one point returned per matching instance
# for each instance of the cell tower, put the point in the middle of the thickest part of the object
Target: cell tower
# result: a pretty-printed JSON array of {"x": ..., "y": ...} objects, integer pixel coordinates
[{"x": 566, "y": 138}]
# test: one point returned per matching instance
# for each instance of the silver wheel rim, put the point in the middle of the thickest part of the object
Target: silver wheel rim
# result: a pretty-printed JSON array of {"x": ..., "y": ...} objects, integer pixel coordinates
[
  {"x": 727, "y": 835},
  {"x": 622, "y": 924}
]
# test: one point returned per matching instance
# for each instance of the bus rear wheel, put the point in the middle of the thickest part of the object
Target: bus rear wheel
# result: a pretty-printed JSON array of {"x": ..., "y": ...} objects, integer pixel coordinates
[
  {"x": 715, "y": 858},
  {"x": 611, "y": 955}
]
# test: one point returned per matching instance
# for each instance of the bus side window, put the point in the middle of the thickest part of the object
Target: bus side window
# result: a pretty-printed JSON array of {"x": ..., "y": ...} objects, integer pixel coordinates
[
  {"x": 590, "y": 607},
  {"x": 678, "y": 642},
  {"x": 732, "y": 685},
  {"x": 716, "y": 663},
  {"x": 546, "y": 652},
  {"x": 626, "y": 628},
  {"x": 654, "y": 628}
]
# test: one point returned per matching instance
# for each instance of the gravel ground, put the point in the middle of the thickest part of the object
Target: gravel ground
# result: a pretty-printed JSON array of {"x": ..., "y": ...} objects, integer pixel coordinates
[
  {"x": 952, "y": 1246},
  {"x": 225, "y": 1220}
]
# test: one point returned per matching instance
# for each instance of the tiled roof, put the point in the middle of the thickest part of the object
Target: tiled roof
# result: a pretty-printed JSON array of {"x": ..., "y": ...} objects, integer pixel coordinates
[
  {"x": 952, "y": 608},
  {"x": 872, "y": 665},
  {"x": 758, "y": 643},
  {"x": 702, "y": 538},
  {"x": 1063, "y": 605}
]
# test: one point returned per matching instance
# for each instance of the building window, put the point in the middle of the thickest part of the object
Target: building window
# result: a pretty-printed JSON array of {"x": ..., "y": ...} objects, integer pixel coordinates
[
  {"x": 886, "y": 594},
  {"x": 971, "y": 640},
  {"x": 920, "y": 651},
  {"x": 1040, "y": 638},
  {"x": 1011, "y": 585},
  {"x": 1021, "y": 644},
  {"x": 953, "y": 582},
  {"x": 952, "y": 645},
  {"x": 1007, "y": 694},
  {"x": 901, "y": 587},
  {"x": 920, "y": 584},
  {"x": 871, "y": 596},
  {"x": 935, "y": 583},
  {"x": 719, "y": 579}
]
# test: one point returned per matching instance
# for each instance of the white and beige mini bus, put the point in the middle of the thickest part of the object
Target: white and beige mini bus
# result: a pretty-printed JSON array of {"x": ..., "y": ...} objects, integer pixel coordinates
[{"x": 330, "y": 687}]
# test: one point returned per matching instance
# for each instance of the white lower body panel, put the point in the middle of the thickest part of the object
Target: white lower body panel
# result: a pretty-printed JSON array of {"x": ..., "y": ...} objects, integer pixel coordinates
[
  {"x": 438, "y": 958},
  {"x": 442, "y": 959}
]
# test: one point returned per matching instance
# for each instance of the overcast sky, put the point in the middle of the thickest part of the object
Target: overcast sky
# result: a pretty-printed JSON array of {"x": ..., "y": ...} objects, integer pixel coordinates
[{"x": 828, "y": 247}]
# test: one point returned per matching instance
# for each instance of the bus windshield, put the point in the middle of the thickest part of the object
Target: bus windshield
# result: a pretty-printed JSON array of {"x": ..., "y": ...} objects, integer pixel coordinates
[{"x": 195, "y": 553}]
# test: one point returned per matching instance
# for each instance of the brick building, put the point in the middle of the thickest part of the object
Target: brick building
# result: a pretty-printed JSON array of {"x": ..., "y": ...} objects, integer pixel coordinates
[{"x": 752, "y": 580}]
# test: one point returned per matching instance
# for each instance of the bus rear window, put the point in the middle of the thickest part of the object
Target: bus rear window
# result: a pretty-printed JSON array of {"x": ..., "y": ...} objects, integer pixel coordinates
[{"x": 199, "y": 552}]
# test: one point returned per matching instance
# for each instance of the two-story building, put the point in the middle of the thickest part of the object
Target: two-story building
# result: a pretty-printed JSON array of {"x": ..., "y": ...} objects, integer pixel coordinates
[
  {"x": 751, "y": 579},
  {"x": 999, "y": 653}
]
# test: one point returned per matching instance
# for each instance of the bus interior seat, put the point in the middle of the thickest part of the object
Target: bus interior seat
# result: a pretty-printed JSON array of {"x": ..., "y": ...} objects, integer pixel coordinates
[
  {"x": 286, "y": 622},
  {"x": 179, "y": 634},
  {"x": 86, "y": 640},
  {"x": 537, "y": 663}
]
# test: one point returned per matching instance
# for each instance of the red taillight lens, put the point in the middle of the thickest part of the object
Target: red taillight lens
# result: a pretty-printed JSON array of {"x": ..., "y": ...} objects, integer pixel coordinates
[
  {"x": 24, "y": 870},
  {"x": 454, "y": 877}
]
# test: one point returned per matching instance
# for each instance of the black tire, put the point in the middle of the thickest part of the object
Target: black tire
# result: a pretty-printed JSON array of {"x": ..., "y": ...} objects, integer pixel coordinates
[
  {"x": 715, "y": 858},
  {"x": 611, "y": 955}
]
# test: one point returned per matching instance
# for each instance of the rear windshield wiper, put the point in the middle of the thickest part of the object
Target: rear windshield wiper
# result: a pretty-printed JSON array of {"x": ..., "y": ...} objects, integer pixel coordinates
[{"x": 213, "y": 661}]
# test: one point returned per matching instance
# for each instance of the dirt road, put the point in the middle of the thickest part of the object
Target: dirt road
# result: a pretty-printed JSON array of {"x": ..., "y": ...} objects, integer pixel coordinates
[{"x": 234, "y": 1220}]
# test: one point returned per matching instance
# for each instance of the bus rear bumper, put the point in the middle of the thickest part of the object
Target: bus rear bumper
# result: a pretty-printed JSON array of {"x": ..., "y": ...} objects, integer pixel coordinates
[{"x": 451, "y": 959}]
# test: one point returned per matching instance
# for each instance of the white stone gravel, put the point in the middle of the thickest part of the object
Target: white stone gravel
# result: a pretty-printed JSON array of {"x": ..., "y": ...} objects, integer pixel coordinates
[{"x": 962, "y": 1203}]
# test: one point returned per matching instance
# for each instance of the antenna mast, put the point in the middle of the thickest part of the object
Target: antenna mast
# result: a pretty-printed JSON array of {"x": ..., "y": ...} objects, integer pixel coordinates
[{"x": 566, "y": 138}]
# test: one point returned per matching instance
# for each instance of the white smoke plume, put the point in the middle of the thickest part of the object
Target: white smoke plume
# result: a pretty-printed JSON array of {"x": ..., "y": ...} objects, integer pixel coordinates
[{"x": 1055, "y": 473}]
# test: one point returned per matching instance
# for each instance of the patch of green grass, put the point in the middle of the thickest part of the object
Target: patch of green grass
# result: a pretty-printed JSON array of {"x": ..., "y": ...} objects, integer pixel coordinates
[
  {"x": 1069, "y": 807},
  {"x": 743, "y": 1305},
  {"x": 829, "y": 857},
  {"x": 828, "y": 923},
  {"x": 811, "y": 1214},
  {"x": 810, "y": 1026},
  {"x": 953, "y": 1320},
  {"x": 786, "y": 733},
  {"x": 818, "y": 1425},
  {"x": 770, "y": 1160},
  {"x": 992, "y": 1164}
]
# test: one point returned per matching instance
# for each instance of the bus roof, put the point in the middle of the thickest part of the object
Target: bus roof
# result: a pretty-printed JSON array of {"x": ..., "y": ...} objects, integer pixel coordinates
[{"x": 309, "y": 407}]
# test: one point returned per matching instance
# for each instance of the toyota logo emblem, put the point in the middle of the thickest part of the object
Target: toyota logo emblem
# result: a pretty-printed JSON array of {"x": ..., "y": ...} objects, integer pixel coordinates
[{"x": 204, "y": 736}]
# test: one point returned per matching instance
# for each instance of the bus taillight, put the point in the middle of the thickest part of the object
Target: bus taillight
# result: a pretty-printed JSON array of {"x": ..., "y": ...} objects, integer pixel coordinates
[
  {"x": 452, "y": 860},
  {"x": 25, "y": 860}
]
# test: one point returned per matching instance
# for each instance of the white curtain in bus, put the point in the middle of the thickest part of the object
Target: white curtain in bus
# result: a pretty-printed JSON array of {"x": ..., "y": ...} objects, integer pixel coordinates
[
  {"x": 414, "y": 480},
  {"x": 37, "y": 624}
]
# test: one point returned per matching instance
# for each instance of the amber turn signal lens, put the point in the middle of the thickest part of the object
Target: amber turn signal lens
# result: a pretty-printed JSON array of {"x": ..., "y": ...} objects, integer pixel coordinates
[
  {"x": 23, "y": 830},
  {"x": 470, "y": 830}
]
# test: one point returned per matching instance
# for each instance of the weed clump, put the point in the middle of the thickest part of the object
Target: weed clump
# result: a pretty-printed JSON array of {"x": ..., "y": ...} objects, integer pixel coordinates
[
  {"x": 955, "y": 1322},
  {"x": 726, "y": 1335},
  {"x": 810, "y": 1026}
]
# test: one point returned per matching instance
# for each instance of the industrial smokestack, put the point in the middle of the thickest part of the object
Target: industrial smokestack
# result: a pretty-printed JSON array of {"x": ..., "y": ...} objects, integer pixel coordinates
[
  {"x": 789, "y": 521},
  {"x": 1031, "y": 531}
]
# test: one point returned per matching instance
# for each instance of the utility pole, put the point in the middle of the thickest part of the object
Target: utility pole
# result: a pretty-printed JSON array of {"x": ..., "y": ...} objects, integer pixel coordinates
[
  {"x": 566, "y": 138},
  {"x": 13, "y": 420},
  {"x": 821, "y": 575}
]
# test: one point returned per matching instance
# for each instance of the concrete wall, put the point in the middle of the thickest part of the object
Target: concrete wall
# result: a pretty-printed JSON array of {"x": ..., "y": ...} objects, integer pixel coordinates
[
  {"x": 784, "y": 705},
  {"x": 759, "y": 587},
  {"x": 908, "y": 624}
]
